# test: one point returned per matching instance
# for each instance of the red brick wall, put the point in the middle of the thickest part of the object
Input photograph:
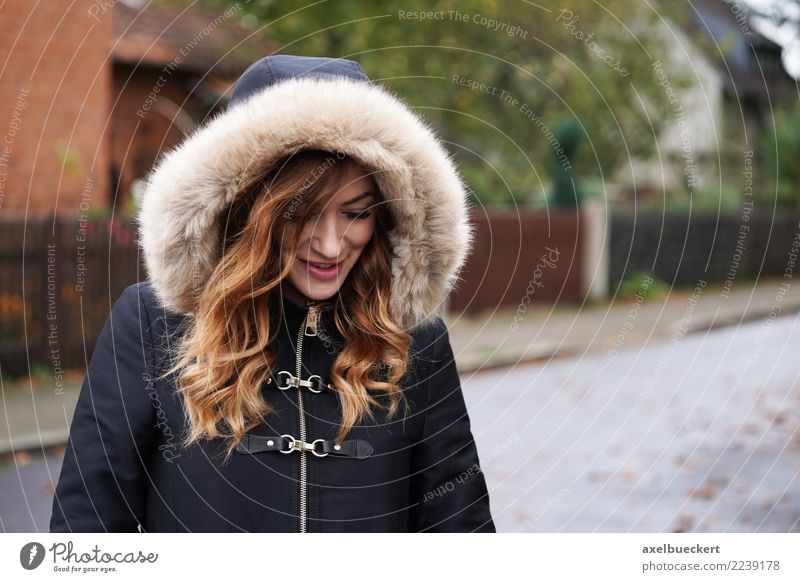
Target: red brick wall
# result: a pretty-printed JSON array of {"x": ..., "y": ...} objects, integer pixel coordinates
[{"x": 55, "y": 93}]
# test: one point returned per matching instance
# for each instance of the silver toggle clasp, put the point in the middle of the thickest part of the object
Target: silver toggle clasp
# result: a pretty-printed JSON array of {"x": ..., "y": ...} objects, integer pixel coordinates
[
  {"x": 298, "y": 445},
  {"x": 296, "y": 382}
]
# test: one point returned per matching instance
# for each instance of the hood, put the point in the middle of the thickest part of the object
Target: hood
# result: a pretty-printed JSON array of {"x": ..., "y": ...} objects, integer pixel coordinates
[{"x": 283, "y": 104}]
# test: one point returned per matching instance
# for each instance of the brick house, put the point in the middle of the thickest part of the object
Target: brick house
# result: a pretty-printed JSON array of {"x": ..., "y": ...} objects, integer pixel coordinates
[{"x": 94, "y": 92}]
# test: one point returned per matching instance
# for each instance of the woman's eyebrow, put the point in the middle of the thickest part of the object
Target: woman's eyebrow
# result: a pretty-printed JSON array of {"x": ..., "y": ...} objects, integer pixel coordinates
[{"x": 359, "y": 197}]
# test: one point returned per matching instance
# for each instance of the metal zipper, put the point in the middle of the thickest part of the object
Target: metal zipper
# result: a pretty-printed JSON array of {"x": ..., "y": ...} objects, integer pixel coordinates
[{"x": 307, "y": 327}]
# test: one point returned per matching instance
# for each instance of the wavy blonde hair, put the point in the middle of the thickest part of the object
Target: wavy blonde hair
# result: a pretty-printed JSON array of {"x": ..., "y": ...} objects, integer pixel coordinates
[{"x": 225, "y": 354}]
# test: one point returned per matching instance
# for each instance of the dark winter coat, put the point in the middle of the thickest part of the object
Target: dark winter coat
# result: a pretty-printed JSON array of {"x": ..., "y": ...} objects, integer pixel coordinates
[{"x": 124, "y": 466}]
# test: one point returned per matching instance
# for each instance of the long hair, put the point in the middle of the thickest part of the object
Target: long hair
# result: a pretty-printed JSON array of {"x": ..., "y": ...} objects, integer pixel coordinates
[{"x": 225, "y": 354}]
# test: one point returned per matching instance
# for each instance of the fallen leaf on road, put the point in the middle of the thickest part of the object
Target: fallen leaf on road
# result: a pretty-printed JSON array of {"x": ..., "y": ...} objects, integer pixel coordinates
[
  {"x": 766, "y": 503},
  {"x": 520, "y": 517},
  {"x": 685, "y": 523},
  {"x": 599, "y": 476},
  {"x": 22, "y": 458},
  {"x": 704, "y": 492},
  {"x": 778, "y": 417}
]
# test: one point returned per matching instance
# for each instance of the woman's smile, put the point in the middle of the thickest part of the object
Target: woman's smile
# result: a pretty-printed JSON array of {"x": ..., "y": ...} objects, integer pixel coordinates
[{"x": 322, "y": 270}]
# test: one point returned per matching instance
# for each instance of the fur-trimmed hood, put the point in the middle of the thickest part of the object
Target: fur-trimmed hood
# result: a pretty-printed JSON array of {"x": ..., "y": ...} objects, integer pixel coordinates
[{"x": 338, "y": 109}]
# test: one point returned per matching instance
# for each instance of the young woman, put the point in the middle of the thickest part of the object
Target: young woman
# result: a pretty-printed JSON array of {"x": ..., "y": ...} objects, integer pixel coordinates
[{"x": 286, "y": 368}]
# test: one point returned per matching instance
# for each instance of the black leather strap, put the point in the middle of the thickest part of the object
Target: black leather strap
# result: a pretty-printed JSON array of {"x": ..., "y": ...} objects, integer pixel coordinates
[
  {"x": 354, "y": 448},
  {"x": 254, "y": 443},
  {"x": 358, "y": 448}
]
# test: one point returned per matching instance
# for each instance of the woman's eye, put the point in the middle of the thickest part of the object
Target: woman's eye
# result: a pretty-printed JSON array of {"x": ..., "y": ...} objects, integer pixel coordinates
[{"x": 359, "y": 215}]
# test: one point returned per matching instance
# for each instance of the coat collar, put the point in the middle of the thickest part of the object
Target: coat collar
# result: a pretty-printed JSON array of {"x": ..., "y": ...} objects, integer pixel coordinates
[
  {"x": 195, "y": 182},
  {"x": 293, "y": 313}
]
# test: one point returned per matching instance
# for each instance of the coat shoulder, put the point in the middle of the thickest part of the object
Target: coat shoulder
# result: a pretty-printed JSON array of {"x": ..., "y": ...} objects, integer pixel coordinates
[
  {"x": 143, "y": 291},
  {"x": 426, "y": 335},
  {"x": 427, "y": 342},
  {"x": 164, "y": 326}
]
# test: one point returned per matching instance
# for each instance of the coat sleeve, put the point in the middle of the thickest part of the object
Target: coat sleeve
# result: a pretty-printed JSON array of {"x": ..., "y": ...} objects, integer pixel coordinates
[
  {"x": 448, "y": 489},
  {"x": 102, "y": 483}
]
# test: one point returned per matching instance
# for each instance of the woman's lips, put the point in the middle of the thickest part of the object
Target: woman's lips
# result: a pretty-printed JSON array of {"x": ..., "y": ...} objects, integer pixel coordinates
[{"x": 320, "y": 273}]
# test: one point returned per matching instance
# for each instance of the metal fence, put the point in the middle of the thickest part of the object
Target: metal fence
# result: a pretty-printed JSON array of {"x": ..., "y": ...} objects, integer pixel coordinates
[{"x": 681, "y": 249}]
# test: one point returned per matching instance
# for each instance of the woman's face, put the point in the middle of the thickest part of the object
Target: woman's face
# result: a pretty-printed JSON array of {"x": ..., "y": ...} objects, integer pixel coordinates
[{"x": 331, "y": 243}]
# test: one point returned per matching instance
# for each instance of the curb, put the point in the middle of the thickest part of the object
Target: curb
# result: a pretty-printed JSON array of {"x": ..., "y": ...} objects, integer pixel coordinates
[
  {"x": 474, "y": 363},
  {"x": 39, "y": 442},
  {"x": 733, "y": 316}
]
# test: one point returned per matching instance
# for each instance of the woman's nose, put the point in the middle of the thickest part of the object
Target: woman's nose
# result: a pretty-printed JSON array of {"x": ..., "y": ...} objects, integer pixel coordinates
[{"x": 325, "y": 238}]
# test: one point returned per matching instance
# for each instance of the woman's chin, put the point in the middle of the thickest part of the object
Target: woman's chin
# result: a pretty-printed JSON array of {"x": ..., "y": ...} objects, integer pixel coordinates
[{"x": 318, "y": 292}]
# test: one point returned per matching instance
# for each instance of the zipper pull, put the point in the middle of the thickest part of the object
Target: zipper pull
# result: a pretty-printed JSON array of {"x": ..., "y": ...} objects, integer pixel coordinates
[{"x": 311, "y": 320}]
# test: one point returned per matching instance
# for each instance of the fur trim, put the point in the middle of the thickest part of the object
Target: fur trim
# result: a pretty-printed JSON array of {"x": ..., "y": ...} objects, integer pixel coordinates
[{"x": 194, "y": 182}]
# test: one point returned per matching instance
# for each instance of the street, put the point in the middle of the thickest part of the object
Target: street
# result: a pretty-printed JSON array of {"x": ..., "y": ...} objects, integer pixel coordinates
[{"x": 697, "y": 436}]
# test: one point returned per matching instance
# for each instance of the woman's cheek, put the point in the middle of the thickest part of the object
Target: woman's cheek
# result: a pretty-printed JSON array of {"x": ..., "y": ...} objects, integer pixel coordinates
[{"x": 364, "y": 233}]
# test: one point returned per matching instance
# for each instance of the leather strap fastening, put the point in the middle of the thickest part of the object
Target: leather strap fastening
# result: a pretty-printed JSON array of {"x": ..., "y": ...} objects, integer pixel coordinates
[
  {"x": 252, "y": 443},
  {"x": 314, "y": 383},
  {"x": 354, "y": 448},
  {"x": 358, "y": 448}
]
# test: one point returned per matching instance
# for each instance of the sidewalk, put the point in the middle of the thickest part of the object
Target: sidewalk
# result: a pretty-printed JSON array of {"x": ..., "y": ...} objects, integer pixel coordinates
[
  {"x": 31, "y": 420},
  {"x": 489, "y": 340}
]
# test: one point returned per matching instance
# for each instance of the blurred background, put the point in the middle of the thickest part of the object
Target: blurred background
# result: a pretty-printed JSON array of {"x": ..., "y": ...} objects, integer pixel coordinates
[{"x": 626, "y": 327}]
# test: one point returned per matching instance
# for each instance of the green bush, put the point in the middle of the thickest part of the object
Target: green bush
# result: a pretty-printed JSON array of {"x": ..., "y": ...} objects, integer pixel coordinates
[{"x": 644, "y": 284}]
